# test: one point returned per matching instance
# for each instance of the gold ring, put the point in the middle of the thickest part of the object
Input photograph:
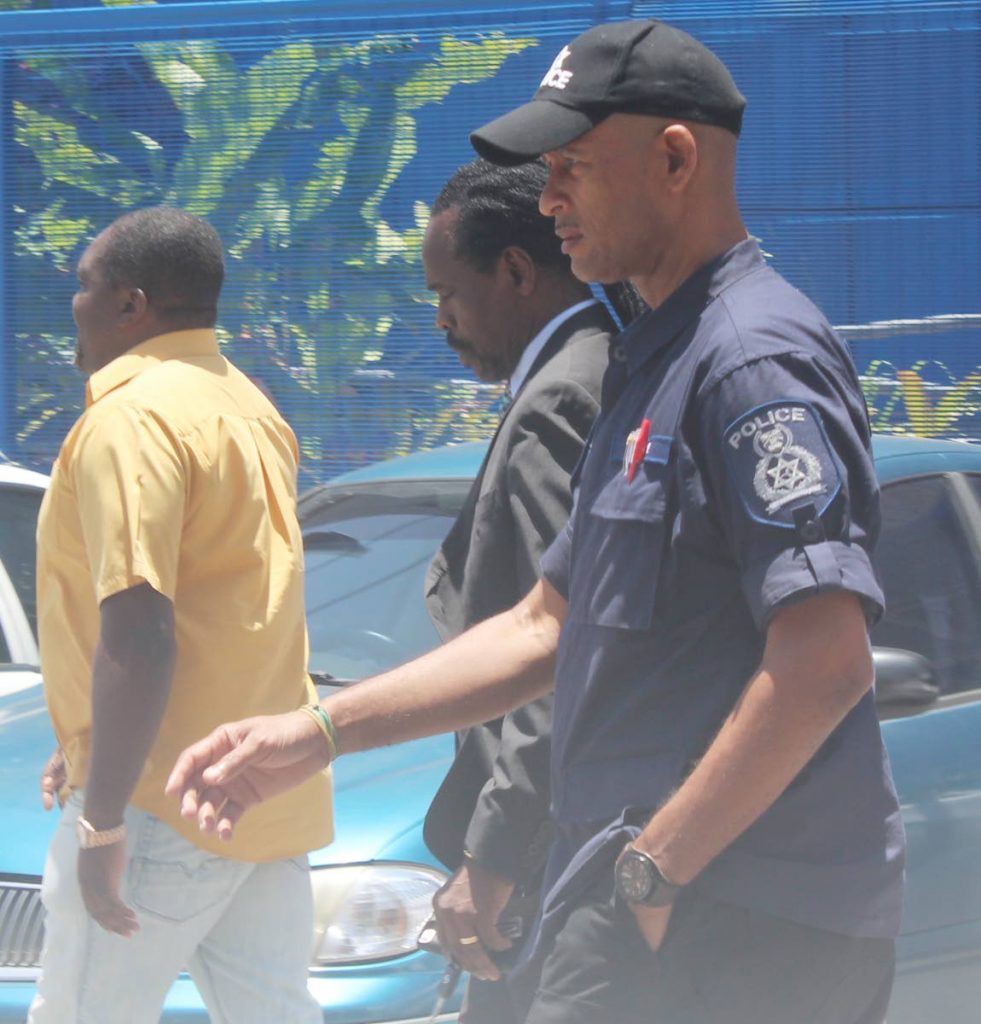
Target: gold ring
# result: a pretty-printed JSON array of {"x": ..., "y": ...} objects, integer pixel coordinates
[{"x": 469, "y": 940}]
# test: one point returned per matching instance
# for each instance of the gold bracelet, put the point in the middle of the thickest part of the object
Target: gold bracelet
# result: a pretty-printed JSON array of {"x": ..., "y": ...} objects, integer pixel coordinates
[{"x": 326, "y": 726}]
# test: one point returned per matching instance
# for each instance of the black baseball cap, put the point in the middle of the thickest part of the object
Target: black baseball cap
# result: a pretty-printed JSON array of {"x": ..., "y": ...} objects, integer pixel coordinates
[{"x": 628, "y": 67}]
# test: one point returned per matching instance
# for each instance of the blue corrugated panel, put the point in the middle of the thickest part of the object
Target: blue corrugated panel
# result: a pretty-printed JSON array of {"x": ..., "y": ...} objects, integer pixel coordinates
[{"x": 315, "y": 134}]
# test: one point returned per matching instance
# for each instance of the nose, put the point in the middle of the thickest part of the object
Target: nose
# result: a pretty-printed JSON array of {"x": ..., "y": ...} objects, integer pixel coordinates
[
  {"x": 442, "y": 320},
  {"x": 550, "y": 201}
]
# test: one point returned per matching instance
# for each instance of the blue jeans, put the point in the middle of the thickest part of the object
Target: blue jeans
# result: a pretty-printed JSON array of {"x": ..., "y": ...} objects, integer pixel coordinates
[{"x": 243, "y": 931}]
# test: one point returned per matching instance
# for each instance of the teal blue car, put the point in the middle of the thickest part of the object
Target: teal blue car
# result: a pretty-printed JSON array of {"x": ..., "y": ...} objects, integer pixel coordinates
[{"x": 369, "y": 536}]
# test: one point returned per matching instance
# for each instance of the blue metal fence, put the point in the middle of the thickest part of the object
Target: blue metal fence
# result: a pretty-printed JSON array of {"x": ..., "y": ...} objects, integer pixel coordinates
[{"x": 314, "y": 135}]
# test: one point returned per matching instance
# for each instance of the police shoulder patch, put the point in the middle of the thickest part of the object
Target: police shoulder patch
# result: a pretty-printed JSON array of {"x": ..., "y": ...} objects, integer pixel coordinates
[{"x": 780, "y": 459}]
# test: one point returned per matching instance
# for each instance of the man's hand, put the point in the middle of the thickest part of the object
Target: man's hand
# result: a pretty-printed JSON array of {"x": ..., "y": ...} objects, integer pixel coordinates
[
  {"x": 53, "y": 780},
  {"x": 243, "y": 763},
  {"x": 467, "y": 909},
  {"x": 652, "y": 922},
  {"x": 100, "y": 871}
]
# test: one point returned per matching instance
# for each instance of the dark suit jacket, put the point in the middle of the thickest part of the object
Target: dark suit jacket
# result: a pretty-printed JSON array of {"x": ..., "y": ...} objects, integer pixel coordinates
[{"x": 495, "y": 798}]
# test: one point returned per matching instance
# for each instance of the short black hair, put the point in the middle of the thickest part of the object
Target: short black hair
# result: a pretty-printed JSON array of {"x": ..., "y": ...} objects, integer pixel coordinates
[
  {"x": 498, "y": 207},
  {"x": 174, "y": 257}
]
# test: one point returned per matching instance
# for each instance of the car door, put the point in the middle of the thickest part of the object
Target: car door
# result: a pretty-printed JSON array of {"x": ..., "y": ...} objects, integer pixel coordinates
[
  {"x": 928, "y": 557},
  {"x": 18, "y": 620}
]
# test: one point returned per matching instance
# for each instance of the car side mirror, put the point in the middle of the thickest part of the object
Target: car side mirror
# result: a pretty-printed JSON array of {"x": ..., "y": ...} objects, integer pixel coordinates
[{"x": 904, "y": 682}]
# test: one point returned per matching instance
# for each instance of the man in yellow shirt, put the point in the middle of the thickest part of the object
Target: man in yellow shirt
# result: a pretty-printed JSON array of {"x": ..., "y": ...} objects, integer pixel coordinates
[{"x": 170, "y": 599}]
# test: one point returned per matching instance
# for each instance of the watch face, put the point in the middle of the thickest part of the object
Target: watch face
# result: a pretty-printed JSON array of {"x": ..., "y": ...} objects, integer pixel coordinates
[{"x": 635, "y": 877}]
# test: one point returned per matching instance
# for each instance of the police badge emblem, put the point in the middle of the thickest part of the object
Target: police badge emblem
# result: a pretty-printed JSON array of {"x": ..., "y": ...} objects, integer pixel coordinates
[
  {"x": 779, "y": 457},
  {"x": 786, "y": 471}
]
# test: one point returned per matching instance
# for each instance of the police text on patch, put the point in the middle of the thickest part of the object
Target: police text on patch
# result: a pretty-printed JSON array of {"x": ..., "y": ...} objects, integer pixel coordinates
[{"x": 783, "y": 414}]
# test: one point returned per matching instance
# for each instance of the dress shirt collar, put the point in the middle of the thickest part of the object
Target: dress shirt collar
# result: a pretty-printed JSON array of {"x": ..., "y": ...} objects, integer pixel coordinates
[
  {"x": 535, "y": 346},
  {"x": 174, "y": 345}
]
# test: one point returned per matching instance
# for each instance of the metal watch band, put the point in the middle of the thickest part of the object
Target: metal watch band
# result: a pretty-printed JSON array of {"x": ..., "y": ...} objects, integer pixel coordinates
[{"x": 89, "y": 836}]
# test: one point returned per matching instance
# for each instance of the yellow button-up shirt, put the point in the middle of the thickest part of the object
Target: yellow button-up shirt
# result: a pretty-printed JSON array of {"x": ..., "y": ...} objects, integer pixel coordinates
[{"x": 181, "y": 474}]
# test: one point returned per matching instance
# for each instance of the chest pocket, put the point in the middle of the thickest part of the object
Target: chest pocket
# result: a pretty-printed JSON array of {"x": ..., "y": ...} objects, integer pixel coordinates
[{"x": 627, "y": 534}]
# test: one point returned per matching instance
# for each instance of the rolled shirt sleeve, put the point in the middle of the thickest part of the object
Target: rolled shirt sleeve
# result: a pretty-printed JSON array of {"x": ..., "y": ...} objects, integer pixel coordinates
[{"x": 786, "y": 457}]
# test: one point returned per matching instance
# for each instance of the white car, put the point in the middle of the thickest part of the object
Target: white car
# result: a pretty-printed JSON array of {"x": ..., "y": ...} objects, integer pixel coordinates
[{"x": 21, "y": 491}]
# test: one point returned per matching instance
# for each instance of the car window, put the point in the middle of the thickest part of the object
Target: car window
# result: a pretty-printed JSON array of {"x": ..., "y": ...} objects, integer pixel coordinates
[
  {"x": 18, "y": 526},
  {"x": 364, "y": 588},
  {"x": 930, "y": 579}
]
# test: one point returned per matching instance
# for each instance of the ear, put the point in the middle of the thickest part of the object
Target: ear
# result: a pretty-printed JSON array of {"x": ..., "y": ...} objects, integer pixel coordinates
[
  {"x": 681, "y": 149},
  {"x": 134, "y": 306},
  {"x": 519, "y": 268}
]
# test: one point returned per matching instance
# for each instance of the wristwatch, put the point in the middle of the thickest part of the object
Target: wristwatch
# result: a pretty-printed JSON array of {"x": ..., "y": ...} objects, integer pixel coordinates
[
  {"x": 89, "y": 836},
  {"x": 639, "y": 880}
]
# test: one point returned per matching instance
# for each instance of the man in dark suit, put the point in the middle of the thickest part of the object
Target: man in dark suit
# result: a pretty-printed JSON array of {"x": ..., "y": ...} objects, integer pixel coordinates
[{"x": 512, "y": 310}]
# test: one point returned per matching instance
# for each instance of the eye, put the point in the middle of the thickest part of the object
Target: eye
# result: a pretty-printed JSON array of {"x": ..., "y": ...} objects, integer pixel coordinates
[{"x": 563, "y": 163}]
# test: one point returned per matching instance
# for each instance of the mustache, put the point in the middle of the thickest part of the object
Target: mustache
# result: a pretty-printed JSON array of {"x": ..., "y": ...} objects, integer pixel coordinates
[{"x": 457, "y": 344}]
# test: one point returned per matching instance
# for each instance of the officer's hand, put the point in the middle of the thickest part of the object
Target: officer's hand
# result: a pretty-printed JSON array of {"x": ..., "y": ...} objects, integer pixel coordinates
[
  {"x": 100, "y": 871},
  {"x": 241, "y": 764},
  {"x": 652, "y": 922},
  {"x": 467, "y": 909},
  {"x": 53, "y": 779}
]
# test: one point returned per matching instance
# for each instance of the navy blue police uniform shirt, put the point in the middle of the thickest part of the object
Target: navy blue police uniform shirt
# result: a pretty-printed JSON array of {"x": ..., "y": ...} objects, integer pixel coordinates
[{"x": 755, "y": 488}]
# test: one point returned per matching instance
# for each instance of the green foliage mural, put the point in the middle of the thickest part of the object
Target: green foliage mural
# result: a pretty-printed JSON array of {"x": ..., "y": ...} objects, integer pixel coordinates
[{"x": 290, "y": 153}]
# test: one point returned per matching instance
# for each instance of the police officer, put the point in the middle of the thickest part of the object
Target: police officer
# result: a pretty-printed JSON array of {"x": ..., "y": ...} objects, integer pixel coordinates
[{"x": 728, "y": 846}]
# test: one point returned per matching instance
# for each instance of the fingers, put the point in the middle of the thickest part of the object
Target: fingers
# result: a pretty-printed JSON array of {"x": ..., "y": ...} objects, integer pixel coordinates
[
  {"x": 228, "y": 818},
  {"x": 217, "y": 758},
  {"x": 233, "y": 763},
  {"x": 203, "y": 803},
  {"x": 190, "y": 799},
  {"x": 99, "y": 873},
  {"x": 214, "y": 809},
  {"x": 192, "y": 762},
  {"x": 494, "y": 940},
  {"x": 465, "y": 947},
  {"x": 239, "y": 765},
  {"x": 52, "y": 780},
  {"x": 460, "y": 934},
  {"x": 114, "y": 916}
]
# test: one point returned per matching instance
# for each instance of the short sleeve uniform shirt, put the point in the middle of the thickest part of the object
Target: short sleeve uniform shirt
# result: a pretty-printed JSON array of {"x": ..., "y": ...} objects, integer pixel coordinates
[{"x": 729, "y": 474}]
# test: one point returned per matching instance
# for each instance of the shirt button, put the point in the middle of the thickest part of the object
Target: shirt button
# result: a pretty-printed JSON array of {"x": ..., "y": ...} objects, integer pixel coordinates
[
  {"x": 620, "y": 353},
  {"x": 810, "y": 531}
]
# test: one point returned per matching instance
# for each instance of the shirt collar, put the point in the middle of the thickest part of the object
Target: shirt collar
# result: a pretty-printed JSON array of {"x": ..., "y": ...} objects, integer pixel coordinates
[
  {"x": 174, "y": 345},
  {"x": 658, "y": 327},
  {"x": 534, "y": 347}
]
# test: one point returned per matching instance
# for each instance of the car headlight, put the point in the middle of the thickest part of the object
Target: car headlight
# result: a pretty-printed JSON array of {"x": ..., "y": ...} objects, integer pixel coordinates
[{"x": 368, "y": 912}]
